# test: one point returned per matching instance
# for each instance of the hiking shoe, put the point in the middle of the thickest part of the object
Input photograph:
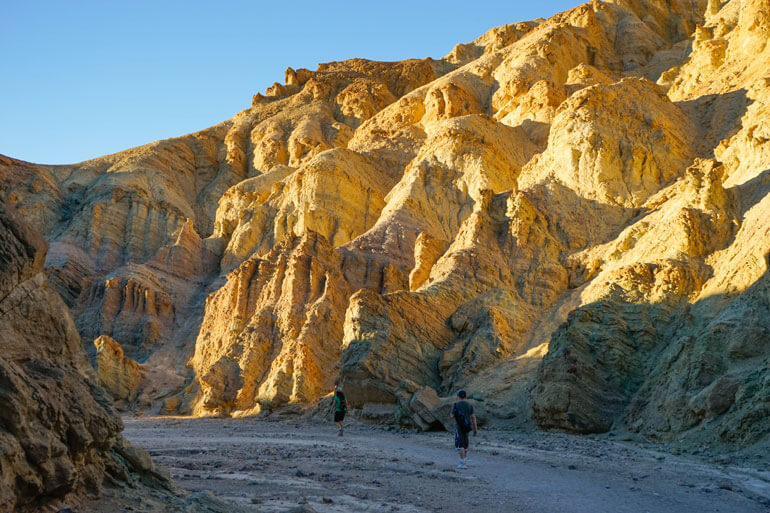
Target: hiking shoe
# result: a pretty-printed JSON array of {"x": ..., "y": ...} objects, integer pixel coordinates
[
  {"x": 340, "y": 433},
  {"x": 461, "y": 466}
]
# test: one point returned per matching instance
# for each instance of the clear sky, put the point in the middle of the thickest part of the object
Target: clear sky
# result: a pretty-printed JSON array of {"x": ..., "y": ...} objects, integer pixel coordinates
[{"x": 82, "y": 79}]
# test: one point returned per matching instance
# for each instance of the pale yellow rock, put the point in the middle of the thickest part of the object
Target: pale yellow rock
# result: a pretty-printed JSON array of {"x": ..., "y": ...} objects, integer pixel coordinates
[
  {"x": 121, "y": 376},
  {"x": 187, "y": 257},
  {"x": 449, "y": 99},
  {"x": 616, "y": 144},
  {"x": 492, "y": 40},
  {"x": 270, "y": 147},
  {"x": 394, "y": 135},
  {"x": 584, "y": 75},
  {"x": 427, "y": 250},
  {"x": 466, "y": 319},
  {"x": 600, "y": 172},
  {"x": 338, "y": 194},
  {"x": 460, "y": 158},
  {"x": 362, "y": 99}
]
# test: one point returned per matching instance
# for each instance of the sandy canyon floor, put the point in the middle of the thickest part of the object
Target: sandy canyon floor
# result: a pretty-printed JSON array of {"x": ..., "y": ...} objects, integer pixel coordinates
[{"x": 275, "y": 466}]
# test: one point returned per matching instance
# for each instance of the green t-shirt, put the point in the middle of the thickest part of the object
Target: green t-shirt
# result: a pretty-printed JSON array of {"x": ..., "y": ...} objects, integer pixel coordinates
[{"x": 338, "y": 403}]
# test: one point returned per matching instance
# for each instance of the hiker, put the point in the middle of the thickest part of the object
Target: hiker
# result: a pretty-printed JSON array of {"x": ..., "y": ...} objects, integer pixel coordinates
[
  {"x": 465, "y": 421},
  {"x": 339, "y": 408}
]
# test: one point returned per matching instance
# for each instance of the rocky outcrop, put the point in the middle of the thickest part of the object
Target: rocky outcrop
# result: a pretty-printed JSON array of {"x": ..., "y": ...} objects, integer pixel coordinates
[
  {"x": 338, "y": 194},
  {"x": 602, "y": 164},
  {"x": 473, "y": 314},
  {"x": 725, "y": 362},
  {"x": 460, "y": 158},
  {"x": 121, "y": 376},
  {"x": 60, "y": 438},
  {"x": 427, "y": 251},
  {"x": 271, "y": 334},
  {"x": 600, "y": 358}
]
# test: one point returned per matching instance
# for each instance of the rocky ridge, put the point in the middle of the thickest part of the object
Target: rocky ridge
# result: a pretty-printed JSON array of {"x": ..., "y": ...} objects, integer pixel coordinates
[{"x": 567, "y": 217}]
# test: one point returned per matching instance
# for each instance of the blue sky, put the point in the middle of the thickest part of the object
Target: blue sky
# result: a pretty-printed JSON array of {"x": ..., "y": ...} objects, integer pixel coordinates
[{"x": 82, "y": 79}]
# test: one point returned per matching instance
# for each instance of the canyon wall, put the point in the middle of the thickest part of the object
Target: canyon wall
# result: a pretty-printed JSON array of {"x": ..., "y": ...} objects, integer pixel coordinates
[
  {"x": 566, "y": 217},
  {"x": 60, "y": 439}
]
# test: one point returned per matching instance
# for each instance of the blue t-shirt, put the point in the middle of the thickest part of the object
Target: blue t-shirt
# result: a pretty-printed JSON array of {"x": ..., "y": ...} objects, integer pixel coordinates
[{"x": 462, "y": 411}]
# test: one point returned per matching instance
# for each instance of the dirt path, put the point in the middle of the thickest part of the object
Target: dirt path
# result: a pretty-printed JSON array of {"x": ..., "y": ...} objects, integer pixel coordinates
[{"x": 272, "y": 466}]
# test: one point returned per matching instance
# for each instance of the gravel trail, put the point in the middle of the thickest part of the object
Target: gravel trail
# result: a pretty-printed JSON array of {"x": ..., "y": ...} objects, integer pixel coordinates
[{"x": 274, "y": 466}]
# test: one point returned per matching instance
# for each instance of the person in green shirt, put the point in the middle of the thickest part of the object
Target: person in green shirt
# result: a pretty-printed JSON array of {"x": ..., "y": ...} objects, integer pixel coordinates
[{"x": 339, "y": 409}]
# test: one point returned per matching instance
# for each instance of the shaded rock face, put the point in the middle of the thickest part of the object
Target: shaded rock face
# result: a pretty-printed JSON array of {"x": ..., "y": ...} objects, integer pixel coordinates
[
  {"x": 566, "y": 217},
  {"x": 60, "y": 438}
]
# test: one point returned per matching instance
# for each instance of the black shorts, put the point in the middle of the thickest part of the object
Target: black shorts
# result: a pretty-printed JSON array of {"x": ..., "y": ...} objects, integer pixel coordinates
[
  {"x": 461, "y": 439},
  {"x": 339, "y": 416}
]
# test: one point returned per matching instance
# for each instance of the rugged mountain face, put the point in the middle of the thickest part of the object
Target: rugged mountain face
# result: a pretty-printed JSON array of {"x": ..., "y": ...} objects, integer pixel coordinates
[
  {"x": 60, "y": 440},
  {"x": 57, "y": 432},
  {"x": 567, "y": 217}
]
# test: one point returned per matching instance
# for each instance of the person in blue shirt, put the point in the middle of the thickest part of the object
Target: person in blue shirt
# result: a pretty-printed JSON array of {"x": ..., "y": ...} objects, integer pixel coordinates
[{"x": 465, "y": 420}]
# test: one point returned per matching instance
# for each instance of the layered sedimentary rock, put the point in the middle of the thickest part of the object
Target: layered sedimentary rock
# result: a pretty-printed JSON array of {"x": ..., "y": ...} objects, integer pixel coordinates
[
  {"x": 679, "y": 374},
  {"x": 60, "y": 438},
  {"x": 567, "y": 217},
  {"x": 271, "y": 333},
  {"x": 138, "y": 237}
]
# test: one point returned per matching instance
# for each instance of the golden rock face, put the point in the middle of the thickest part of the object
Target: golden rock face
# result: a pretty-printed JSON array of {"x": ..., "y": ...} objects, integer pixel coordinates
[
  {"x": 567, "y": 217},
  {"x": 121, "y": 376},
  {"x": 270, "y": 335}
]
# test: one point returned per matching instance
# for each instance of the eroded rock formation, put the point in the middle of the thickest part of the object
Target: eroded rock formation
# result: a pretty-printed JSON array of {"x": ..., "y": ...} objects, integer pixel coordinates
[
  {"x": 271, "y": 333},
  {"x": 567, "y": 217},
  {"x": 60, "y": 438}
]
